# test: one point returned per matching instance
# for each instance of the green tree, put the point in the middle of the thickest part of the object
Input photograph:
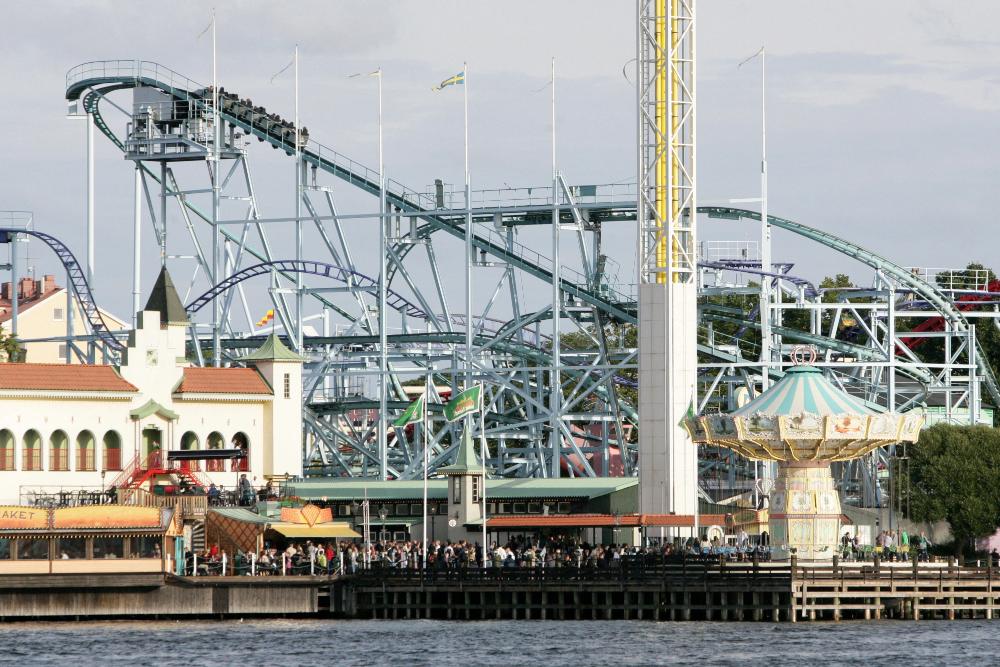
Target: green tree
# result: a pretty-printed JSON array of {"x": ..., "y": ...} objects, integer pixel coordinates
[
  {"x": 10, "y": 348},
  {"x": 955, "y": 477}
]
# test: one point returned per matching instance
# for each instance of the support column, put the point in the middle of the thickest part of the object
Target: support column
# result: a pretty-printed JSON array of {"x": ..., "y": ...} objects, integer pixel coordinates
[
  {"x": 137, "y": 247},
  {"x": 90, "y": 202}
]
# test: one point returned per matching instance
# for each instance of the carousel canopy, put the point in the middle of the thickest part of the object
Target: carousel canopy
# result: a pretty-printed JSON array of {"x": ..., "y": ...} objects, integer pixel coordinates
[
  {"x": 804, "y": 418},
  {"x": 804, "y": 389}
]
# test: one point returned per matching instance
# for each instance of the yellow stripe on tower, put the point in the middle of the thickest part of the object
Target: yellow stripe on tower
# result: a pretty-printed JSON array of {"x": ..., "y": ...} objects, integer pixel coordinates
[
  {"x": 675, "y": 121},
  {"x": 662, "y": 132}
]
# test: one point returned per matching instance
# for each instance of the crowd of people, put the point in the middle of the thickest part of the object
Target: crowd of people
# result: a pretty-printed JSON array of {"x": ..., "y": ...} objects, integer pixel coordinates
[
  {"x": 890, "y": 545},
  {"x": 325, "y": 558}
]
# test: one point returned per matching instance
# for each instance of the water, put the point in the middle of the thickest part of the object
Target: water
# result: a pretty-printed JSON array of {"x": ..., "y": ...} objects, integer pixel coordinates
[{"x": 506, "y": 643}]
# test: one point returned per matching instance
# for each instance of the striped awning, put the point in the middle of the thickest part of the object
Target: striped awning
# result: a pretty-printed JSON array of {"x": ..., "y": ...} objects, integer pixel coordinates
[{"x": 802, "y": 390}]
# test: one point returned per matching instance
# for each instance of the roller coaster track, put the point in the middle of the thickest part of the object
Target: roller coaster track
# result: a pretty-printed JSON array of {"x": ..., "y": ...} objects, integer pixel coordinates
[
  {"x": 534, "y": 355},
  {"x": 323, "y": 269},
  {"x": 930, "y": 293},
  {"x": 754, "y": 268},
  {"x": 103, "y": 77},
  {"x": 78, "y": 282}
]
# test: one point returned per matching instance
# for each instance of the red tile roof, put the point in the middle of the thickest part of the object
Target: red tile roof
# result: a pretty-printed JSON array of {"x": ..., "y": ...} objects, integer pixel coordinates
[
  {"x": 62, "y": 377},
  {"x": 222, "y": 381}
]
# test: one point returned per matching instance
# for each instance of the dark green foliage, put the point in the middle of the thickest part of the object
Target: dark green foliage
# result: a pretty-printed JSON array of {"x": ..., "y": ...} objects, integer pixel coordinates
[
  {"x": 10, "y": 347},
  {"x": 955, "y": 477}
]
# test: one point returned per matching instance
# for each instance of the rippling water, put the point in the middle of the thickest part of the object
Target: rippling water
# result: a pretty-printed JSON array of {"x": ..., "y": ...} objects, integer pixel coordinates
[{"x": 508, "y": 643}]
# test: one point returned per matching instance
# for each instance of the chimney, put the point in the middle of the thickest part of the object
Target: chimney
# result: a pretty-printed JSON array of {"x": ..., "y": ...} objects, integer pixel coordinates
[
  {"x": 48, "y": 284},
  {"x": 26, "y": 288}
]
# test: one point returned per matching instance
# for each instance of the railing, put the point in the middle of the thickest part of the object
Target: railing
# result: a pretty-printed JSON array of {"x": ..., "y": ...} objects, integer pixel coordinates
[
  {"x": 533, "y": 257},
  {"x": 654, "y": 569},
  {"x": 718, "y": 250},
  {"x": 954, "y": 279},
  {"x": 188, "y": 505},
  {"x": 524, "y": 197},
  {"x": 63, "y": 496},
  {"x": 16, "y": 219},
  {"x": 126, "y": 473},
  {"x": 137, "y": 69},
  {"x": 6, "y": 459}
]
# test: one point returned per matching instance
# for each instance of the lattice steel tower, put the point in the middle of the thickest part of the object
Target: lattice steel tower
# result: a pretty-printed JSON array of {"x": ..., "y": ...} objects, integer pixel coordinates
[{"x": 668, "y": 323}]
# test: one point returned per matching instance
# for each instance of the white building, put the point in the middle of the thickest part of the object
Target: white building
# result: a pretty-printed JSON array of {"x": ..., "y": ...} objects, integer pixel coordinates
[{"x": 90, "y": 426}]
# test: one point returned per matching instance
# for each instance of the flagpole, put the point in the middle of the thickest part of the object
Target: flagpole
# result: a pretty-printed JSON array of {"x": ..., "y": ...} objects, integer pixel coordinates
[
  {"x": 426, "y": 443},
  {"x": 555, "y": 397},
  {"x": 469, "y": 257},
  {"x": 383, "y": 361},
  {"x": 298, "y": 212},
  {"x": 468, "y": 235},
  {"x": 216, "y": 138},
  {"x": 482, "y": 488}
]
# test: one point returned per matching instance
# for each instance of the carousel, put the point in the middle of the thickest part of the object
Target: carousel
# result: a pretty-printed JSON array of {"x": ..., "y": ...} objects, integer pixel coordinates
[{"x": 805, "y": 423}]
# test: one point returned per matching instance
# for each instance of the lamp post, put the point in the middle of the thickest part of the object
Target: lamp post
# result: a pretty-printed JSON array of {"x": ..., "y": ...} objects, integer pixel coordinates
[{"x": 382, "y": 514}]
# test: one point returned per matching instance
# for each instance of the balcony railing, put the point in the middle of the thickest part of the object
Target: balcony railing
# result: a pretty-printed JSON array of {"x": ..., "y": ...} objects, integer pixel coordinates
[{"x": 189, "y": 505}]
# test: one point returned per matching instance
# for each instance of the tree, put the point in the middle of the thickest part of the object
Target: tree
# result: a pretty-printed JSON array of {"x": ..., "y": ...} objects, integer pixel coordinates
[
  {"x": 10, "y": 348},
  {"x": 955, "y": 477}
]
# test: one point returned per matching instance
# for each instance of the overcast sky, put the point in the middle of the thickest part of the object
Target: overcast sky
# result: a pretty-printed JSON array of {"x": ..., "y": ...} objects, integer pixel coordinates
[{"x": 882, "y": 116}]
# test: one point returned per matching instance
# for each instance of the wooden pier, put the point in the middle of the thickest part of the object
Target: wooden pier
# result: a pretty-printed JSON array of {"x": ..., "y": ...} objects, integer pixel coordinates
[{"x": 674, "y": 592}]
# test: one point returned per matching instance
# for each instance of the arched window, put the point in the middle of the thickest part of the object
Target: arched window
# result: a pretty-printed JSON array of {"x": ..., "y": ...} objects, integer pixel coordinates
[
  {"x": 59, "y": 451},
  {"x": 215, "y": 441},
  {"x": 189, "y": 442},
  {"x": 112, "y": 451},
  {"x": 6, "y": 450},
  {"x": 241, "y": 441},
  {"x": 31, "y": 456},
  {"x": 85, "y": 450}
]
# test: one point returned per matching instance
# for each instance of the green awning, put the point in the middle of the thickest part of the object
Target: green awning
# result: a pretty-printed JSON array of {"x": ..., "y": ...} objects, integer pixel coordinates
[{"x": 152, "y": 407}]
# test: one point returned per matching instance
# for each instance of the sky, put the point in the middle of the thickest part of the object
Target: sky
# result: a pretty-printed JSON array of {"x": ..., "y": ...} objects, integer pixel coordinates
[{"x": 881, "y": 116}]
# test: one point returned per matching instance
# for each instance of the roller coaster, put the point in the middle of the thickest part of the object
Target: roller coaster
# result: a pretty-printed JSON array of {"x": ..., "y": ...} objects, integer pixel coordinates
[{"x": 905, "y": 342}]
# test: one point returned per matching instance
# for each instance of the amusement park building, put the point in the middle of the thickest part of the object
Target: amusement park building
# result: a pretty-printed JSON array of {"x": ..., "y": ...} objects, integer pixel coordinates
[{"x": 84, "y": 426}]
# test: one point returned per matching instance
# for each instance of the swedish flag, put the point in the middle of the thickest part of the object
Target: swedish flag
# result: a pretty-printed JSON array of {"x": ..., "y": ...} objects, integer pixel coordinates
[{"x": 457, "y": 80}]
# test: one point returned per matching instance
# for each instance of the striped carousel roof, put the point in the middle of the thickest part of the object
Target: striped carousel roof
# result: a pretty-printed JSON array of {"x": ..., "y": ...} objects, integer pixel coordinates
[{"x": 804, "y": 389}]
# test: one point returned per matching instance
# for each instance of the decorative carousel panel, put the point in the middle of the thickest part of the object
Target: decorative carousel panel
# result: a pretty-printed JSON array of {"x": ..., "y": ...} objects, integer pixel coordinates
[
  {"x": 803, "y": 426},
  {"x": 846, "y": 427},
  {"x": 826, "y": 531},
  {"x": 779, "y": 533},
  {"x": 800, "y": 532},
  {"x": 884, "y": 426},
  {"x": 721, "y": 427},
  {"x": 912, "y": 423},
  {"x": 777, "y": 502},
  {"x": 800, "y": 501},
  {"x": 828, "y": 502},
  {"x": 757, "y": 427},
  {"x": 696, "y": 428}
]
